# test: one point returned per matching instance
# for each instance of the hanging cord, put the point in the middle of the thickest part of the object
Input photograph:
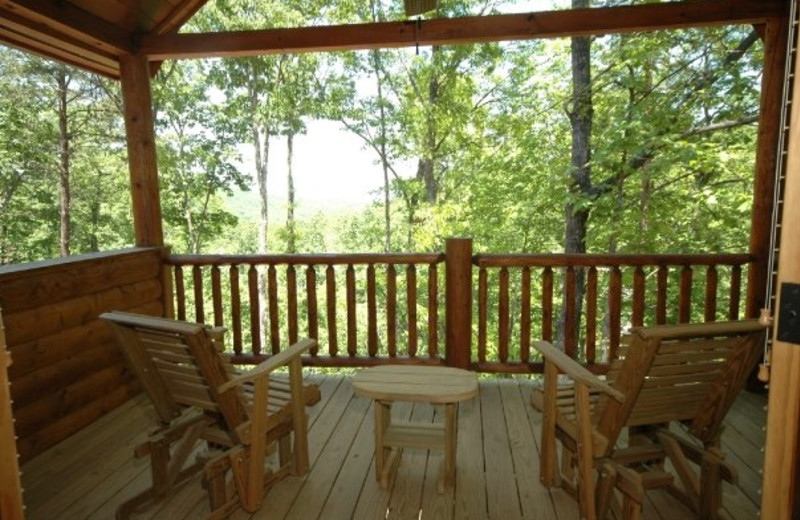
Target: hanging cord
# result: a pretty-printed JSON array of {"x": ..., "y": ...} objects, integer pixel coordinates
[
  {"x": 766, "y": 313},
  {"x": 417, "y": 28}
]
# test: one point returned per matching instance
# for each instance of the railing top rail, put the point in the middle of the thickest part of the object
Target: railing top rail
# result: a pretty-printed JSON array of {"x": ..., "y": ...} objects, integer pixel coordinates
[
  {"x": 609, "y": 260},
  {"x": 308, "y": 259}
]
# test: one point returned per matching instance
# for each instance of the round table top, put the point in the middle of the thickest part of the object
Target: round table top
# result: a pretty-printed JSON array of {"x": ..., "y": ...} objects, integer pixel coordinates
[{"x": 416, "y": 383}]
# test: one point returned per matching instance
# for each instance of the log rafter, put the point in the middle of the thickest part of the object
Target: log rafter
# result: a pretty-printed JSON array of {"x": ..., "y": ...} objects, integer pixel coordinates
[
  {"x": 471, "y": 29},
  {"x": 69, "y": 20}
]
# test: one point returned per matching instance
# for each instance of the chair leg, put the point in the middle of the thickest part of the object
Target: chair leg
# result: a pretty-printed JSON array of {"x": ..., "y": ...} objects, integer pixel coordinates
[
  {"x": 547, "y": 462},
  {"x": 605, "y": 488},
  {"x": 631, "y": 510},
  {"x": 710, "y": 489},
  {"x": 630, "y": 485},
  {"x": 301, "y": 461},
  {"x": 585, "y": 453},
  {"x": 167, "y": 469},
  {"x": 215, "y": 482}
]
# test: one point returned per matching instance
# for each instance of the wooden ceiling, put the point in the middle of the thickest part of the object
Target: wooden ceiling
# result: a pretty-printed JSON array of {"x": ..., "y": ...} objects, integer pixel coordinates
[
  {"x": 90, "y": 34},
  {"x": 93, "y": 34}
]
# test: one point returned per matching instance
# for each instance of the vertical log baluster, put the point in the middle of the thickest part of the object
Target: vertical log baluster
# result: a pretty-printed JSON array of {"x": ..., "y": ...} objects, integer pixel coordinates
[
  {"x": 525, "y": 316},
  {"x": 503, "y": 317},
  {"x": 547, "y": 304},
  {"x": 236, "y": 310},
  {"x": 614, "y": 311},
  {"x": 433, "y": 311},
  {"x": 411, "y": 303},
  {"x": 197, "y": 282},
  {"x": 311, "y": 307},
  {"x": 711, "y": 293},
  {"x": 180, "y": 293},
  {"x": 483, "y": 289},
  {"x": 350, "y": 281},
  {"x": 372, "y": 313},
  {"x": 736, "y": 291},
  {"x": 661, "y": 295},
  {"x": 330, "y": 308},
  {"x": 255, "y": 311},
  {"x": 391, "y": 310},
  {"x": 216, "y": 295},
  {"x": 570, "y": 341},
  {"x": 272, "y": 304},
  {"x": 685, "y": 295},
  {"x": 637, "y": 315},
  {"x": 591, "y": 315},
  {"x": 291, "y": 302}
]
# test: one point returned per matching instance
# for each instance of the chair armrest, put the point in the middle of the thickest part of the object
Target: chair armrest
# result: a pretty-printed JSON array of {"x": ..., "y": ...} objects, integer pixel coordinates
[
  {"x": 575, "y": 370},
  {"x": 701, "y": 330},
  {"x": 278, "y": 360}
]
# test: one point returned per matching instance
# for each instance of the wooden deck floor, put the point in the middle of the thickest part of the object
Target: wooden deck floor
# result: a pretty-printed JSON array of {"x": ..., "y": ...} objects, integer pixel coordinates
[{"x": 89, "y": 474}]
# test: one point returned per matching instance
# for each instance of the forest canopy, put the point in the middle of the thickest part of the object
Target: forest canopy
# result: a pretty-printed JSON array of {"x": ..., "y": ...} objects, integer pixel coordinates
[{"x": 629, "y": 143}]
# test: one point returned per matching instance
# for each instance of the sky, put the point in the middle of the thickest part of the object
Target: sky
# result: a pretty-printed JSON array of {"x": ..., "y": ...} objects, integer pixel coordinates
[{"x": 331, "y": 167}]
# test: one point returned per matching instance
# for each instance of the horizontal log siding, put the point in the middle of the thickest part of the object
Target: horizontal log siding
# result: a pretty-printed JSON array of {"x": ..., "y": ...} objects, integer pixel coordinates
[
  {"x": 66, "y": 369},
  {"x": 520, "y": 295},
  {"x": 363, "y": 309}
]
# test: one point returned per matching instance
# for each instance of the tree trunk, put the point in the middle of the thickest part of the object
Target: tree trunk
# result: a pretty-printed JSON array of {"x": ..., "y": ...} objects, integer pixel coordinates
[
  {"x": 259, "y": 134},
  {"x": 291, "y": 236},
  {"x": 387, "y": 209},
  {"x": 426, "y": 166},
  {"x": 260, "y": 140},
  {"x": 577, "y": 213},
  {"x": 62, "y": 91}
]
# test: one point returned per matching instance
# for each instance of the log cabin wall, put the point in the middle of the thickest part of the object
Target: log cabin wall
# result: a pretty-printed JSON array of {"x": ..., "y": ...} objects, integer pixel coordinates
[{"x": 66, "y": 369}]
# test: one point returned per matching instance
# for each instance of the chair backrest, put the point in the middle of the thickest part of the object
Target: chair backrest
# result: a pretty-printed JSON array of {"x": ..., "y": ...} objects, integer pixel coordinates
[
  {"x": 689, "y": 372},
  {"x": 179, "y": 366}
]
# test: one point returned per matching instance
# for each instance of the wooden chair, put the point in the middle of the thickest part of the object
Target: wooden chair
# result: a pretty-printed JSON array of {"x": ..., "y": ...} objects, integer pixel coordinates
[
  {"x": 198, "y": 397},
  {"x": 687, "y": 375}
]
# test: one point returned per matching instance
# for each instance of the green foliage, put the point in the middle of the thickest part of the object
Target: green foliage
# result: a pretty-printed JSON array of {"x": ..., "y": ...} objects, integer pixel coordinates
[
  {"x": 470, "y": 140},
  {"x": 29, "y": 161},
  {"x": 196, "y": 157}
]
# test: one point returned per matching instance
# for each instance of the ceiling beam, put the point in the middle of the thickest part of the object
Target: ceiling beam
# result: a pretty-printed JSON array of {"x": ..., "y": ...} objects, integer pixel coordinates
[
  {"x": 471, "y": 29},
  {"x": 48, "y": 37},
  {"x": 67, "y": 19},
  {"x": 180, "y": 15},
  {"x": 25, "y": 43}
]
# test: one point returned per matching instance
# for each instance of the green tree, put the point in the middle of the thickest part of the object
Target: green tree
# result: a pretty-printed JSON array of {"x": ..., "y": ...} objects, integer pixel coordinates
[{"x": 196, "y": 156}]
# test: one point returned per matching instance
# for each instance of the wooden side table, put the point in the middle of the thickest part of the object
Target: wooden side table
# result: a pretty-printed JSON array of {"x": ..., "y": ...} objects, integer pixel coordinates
[{"x": 435, "y": 385}]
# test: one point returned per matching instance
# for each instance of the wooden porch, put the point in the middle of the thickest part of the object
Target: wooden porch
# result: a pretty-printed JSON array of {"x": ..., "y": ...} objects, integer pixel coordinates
[{"x": 91, "y": 472}]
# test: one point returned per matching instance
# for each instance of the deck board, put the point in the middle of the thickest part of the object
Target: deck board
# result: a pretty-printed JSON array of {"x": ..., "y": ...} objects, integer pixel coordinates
[
  {"x": 497, "y": 473},
  {"x": 501, "y": 488}
]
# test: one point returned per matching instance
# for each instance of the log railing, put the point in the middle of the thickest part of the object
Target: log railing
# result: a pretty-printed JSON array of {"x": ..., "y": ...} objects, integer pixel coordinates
[
  {"x": 525, "y": 294},
  {"x": 363, "y": 309},
  {"x": 367, "y": 309}
]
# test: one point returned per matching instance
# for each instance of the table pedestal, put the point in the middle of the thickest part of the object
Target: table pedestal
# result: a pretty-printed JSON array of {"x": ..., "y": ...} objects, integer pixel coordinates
[{"x": 392, "y": 436}]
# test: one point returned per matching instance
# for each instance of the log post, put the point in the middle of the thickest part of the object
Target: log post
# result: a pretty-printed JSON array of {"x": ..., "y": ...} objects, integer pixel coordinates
[
  {"x": 140, "y": 136},
  {"x": 779, "y": 497},
  {"x": 458, "y": 302},
  {"x": 775, "y": 36},
  {"x": 10, "y": 489}
]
